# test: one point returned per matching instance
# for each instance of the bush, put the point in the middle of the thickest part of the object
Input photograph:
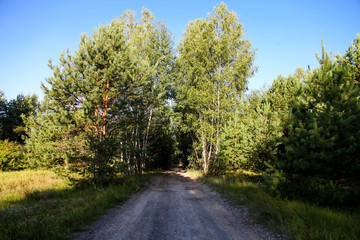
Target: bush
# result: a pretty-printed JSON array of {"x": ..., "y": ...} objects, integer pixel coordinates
[{"x": 11, "y": 156}]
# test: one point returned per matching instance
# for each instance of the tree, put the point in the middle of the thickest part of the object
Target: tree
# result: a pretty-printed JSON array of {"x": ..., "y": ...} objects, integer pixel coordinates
[
  {"x": 142, "y": 116},
  {"x": 252, "y": 137},
  {"x": 2, "y": 100},
  {"x": 322, "y": 141},
  {"x": 11, "y": 156},
  {"x": 11, "y": 116},
  {"x": 52, "y": 139},
  {"x": 213, "y": 66},
  {"x": 83, "y": 90},
  {"x": 352, "y": 59},
  {"x": 2, "y": 109},
  {"x": 103, "y": 104}
]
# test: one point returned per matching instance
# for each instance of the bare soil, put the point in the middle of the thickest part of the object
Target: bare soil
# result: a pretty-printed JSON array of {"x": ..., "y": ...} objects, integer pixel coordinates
[{"x": 174, "y": 206}]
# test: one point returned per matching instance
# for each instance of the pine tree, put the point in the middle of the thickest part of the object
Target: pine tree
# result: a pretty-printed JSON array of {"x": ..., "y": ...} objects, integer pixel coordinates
[
  {"x": 53, "y": 140},
  {"x": 252, "y": 137},
  {"x": 322, "y": 146},
  {"x": 12, "y": 113},
  {"x": 84, "y": 89},
  {"x": 103, "y": 104},
  {"x": 352, "y": 59}
]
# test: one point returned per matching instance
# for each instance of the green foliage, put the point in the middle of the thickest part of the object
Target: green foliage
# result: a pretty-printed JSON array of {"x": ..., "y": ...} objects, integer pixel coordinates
[
  {"x": 303, "y": 133},
  {"x": 244, "y": 133},
  {"x": 48, "y": 145},
  {"x": 351, "y": 59},
  {"x": 11, "y": 156},
  {"x": 12, "y": 130},
  {"x": 147, "y": 116},
  {"x": 322, "y": 142},
  {"x": 11, "y": 116},
  {"x": 105, "y": 104},
  {"x": 2, "y": 103},
  {"x": 212, "y": 69},
  {"x": 251, "y": 139}
]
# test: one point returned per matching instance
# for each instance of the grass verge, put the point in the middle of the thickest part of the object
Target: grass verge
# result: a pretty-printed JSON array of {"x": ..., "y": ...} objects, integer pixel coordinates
[
  {"x": 39, "y": 205},
  {"x": 295, "y": 219}
]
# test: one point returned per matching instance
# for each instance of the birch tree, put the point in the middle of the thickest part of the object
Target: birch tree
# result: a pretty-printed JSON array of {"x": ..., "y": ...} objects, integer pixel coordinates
[
  {"x": 213, "y": 66},
  {"x": 142, "y": 115}
]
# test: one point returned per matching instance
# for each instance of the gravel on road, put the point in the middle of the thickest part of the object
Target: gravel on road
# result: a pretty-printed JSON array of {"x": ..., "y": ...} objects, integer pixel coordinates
[{"x": 174, "y": 206}]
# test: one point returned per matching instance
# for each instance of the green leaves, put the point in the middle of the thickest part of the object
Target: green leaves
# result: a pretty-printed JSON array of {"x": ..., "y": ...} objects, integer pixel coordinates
[{"x": 212, "y": 69}]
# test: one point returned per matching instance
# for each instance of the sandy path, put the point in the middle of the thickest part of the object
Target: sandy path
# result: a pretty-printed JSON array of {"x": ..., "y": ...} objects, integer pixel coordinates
[{"x": 173, "y": 206}]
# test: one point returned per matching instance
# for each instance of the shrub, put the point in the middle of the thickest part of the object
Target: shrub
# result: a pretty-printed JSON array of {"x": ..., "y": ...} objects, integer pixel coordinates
[{"x": 11, "y": 156}]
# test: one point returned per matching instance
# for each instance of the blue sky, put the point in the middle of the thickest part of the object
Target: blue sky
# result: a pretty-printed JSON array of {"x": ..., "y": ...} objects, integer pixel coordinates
[{"x": 286, "y": 34}]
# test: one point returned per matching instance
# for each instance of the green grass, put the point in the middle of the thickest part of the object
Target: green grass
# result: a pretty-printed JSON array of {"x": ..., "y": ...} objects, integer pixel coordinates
[
  {"x": 39, "y": 205},
  {"x": 295, "y": 219}
]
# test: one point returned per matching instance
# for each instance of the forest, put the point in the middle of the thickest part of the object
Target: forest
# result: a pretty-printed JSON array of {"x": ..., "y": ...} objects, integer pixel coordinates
[{"x": 129, "y": 101}]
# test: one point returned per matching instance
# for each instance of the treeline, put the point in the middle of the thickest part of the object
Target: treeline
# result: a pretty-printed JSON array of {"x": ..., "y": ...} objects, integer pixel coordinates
[{"x": 124, "y": 102}]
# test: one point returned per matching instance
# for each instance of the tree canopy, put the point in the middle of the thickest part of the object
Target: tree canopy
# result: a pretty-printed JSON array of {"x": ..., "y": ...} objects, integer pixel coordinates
[
  {"x": 213, "y": 66},
  {"x": 102, "y": 102}
]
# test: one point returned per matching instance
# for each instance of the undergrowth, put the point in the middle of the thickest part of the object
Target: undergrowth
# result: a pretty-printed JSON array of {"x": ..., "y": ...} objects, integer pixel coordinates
[{"x": 39, "y": 205}]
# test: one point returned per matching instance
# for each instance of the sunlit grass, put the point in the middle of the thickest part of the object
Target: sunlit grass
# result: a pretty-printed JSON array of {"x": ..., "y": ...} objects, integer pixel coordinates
[
  {"x": 194, "y": 174},
  {"x": 295, "y": 219},
  {"x": 16, "y": 186},
  {"x": 39, "y": 205}
]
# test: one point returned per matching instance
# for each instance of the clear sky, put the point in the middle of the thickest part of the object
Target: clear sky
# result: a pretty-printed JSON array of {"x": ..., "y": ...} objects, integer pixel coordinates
[{"x": 286, "y": 33}]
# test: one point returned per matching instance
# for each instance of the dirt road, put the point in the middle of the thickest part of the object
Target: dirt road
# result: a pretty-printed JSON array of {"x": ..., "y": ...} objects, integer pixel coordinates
[{"x": 173, "y": 206}]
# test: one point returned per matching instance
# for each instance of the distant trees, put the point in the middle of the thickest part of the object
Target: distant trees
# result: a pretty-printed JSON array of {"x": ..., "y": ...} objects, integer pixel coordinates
[
  {"x": 12, "y": 130},
  {"x": 213, "y": 66},
  {"x": 12, "y": 126}
]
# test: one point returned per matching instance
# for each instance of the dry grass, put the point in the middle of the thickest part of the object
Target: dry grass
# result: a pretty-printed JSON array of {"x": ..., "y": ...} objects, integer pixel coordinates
[
  {"x": 40, "y": 205},
  {"x": 16, "y": 186},
  {"x": 194, "y": 174}
]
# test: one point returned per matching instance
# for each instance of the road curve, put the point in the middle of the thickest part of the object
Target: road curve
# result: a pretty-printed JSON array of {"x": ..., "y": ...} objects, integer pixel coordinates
[{"x": 173, "y": 206}]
